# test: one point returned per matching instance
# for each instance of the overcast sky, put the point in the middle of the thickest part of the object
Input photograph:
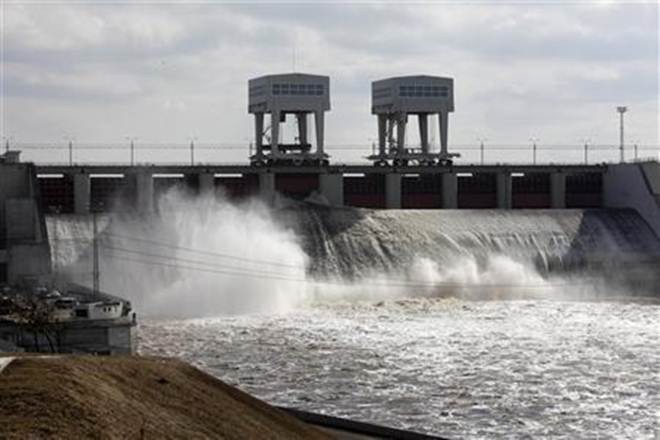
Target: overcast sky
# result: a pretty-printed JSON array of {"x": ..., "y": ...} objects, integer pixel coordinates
[{"x": 166, "y": 72}]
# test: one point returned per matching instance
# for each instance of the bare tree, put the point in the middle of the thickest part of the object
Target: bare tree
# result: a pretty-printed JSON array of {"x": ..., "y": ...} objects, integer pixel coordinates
[{"x": 34, "y": 315}]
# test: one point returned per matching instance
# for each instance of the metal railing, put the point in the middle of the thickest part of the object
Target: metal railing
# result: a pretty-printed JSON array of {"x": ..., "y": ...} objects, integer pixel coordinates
[{"x": 132, "y": 153}]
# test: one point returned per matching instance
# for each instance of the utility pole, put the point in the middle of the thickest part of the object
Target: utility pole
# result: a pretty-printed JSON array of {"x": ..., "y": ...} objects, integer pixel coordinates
[
  {"x": 635, "y": 147},
  {"x": 7, "y": 146},
  {"x": 95, "y": 270},
  {"x": 621, "y": 110}
]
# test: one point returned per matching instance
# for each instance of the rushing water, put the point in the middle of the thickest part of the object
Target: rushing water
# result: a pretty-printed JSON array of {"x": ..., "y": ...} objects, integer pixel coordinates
[
  {"x": 381, "y": 315},
  {"x": 462, "y": 369}
]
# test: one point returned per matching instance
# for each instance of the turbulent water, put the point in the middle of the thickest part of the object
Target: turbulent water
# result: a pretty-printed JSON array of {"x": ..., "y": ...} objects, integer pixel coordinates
[
  {"x": 380, "y": 315},
  {"x": 462, "y": 369}
]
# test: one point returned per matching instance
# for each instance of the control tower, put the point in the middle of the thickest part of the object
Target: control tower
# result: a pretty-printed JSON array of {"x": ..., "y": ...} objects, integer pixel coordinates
[
  {"x": 296, "y": 94},
  {"x": 393, "y": 100}
]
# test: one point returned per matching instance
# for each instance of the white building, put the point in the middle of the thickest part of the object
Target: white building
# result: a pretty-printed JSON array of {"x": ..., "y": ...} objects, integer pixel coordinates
[
  {"x": 295, "y": 94},
  {"x": 394, "y": 99}
]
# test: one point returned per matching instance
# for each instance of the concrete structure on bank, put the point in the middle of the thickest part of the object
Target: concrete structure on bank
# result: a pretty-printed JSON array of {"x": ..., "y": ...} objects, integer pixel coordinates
[
  {"x": 24, "y": 248},
  {"x": 637, "y": 186},
  {"x": 91, "y": 322},
  {"x": 393, "y": 100},
  {"x": 295, "y": 94}
]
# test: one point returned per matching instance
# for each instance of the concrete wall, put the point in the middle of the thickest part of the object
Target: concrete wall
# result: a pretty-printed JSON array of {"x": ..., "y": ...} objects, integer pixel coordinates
[
  {"x": 29, "y": 262},
  {"x": 106, "y": 337},
  {"x": 23, "y": 236},
  {"x": 14, "y": 183},
  {"x": 634, "y": 186},
  {"x": 21, "y": 220}
]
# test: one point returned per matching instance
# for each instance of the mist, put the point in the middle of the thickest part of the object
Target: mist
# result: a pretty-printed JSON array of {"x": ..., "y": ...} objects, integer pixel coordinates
[{"x": 205, "y": 255}]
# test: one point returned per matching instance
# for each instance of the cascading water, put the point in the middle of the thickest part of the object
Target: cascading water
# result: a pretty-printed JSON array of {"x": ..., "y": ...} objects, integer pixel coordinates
[{"x": 204, "y": 256}]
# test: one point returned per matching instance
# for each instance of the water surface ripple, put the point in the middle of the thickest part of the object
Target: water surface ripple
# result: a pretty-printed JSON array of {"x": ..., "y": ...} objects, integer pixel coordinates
[{"x": 462, "y": 369}]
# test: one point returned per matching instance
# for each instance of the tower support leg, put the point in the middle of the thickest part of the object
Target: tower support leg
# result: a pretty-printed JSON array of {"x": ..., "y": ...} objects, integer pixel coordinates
[
  {"x": 382, "y": 134},
  {"x": 259, "y": 133},
  {"x": 424, "y": 132},
  {"x": 318, "y": 122},
  {"x": 401, "y": 133},
  {"x": 443, "y": 119},
  {"x": 302, "y": 127},
  {"x": 275, "y": 133}
]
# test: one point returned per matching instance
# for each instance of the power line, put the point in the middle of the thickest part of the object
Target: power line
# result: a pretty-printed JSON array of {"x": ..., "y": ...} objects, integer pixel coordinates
[
  {"x": 203, "y": 252},
  {"x": 242, "y": 270},
  {"x": 396, "y": 284}
]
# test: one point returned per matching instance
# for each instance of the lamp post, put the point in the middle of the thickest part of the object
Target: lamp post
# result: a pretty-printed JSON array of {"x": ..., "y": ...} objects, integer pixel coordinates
[
  {"x": 481, "y": 149},
  {"x": 621, "y": 110},
  {"x": 70, "y": 140},
  {"x": 192, "y": 149},
  {"x": 534, "y": 141},
  {"x": 132, "y": 140},
  {"x": 586, "y": 150}
]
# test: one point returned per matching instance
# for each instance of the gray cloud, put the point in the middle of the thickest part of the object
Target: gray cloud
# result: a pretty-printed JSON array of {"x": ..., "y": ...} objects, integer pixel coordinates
[{"x": 182, "y": 69}]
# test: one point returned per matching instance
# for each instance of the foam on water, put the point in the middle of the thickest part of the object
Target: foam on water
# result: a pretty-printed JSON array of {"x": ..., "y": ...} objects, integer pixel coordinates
[{"x": 461, "y": 369}]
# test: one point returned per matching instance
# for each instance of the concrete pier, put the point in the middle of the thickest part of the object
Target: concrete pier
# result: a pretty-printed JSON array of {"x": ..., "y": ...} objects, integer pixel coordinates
[
  {"x": 558, "y": 190},
  {"x": 393, "y": 191},
  {"x": 144, "y": 184},
  {"x": 331, "y": 186},
  {"x": 81, "y": 193},
  {"x": 207, "y": 183},
  {"x": 267, "y": 186},
  {"x": 504, "y": 190},
  {"x": 449, "y": 191}
]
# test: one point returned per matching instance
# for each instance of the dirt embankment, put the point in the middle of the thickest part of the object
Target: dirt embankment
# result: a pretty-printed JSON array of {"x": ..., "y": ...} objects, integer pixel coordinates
[{"x": 132, "y": 398}]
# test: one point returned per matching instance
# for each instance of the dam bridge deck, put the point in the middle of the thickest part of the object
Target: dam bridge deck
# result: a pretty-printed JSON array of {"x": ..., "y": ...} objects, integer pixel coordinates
[{"x": 80, "y": 188}]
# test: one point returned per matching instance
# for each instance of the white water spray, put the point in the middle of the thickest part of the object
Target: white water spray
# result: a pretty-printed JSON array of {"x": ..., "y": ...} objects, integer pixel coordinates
[{"x": 205, "y": 256}]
